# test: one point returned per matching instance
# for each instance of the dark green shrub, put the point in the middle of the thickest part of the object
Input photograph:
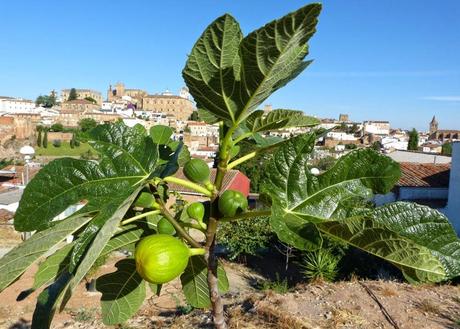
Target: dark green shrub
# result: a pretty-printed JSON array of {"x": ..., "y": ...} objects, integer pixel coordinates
[
  {"x": 245, "y": 237},
  {"x": 57, "y": 143}
]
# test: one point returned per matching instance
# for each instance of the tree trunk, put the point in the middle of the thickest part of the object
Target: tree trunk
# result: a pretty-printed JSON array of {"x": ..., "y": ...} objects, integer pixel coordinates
[{"x": 216, "y": 300}]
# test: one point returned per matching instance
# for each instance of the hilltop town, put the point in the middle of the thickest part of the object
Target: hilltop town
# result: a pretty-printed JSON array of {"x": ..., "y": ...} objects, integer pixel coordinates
[{"x": 60, "y": 115}]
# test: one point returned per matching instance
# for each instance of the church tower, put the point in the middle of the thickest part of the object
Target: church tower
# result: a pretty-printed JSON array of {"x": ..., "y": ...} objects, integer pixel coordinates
[{"x": 433, "y": 125}]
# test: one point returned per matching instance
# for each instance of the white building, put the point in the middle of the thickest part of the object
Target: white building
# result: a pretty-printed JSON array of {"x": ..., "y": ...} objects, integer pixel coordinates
[
  {"x": 341, "y": 136},
  {"x": 16, "y": 105},
  {"x": 435, "y": 185},
  {"x": 381, "y": 128},
  {"x": 202, "y": 129},
  {"x": 394, "y": 143}
]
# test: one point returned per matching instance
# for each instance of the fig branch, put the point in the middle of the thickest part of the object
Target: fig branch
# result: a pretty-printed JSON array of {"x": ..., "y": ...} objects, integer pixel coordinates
[
  {"x": 141, "y": 216},
  {"x": 188, "y": 184},
  {"x": 179, "y": 229}
]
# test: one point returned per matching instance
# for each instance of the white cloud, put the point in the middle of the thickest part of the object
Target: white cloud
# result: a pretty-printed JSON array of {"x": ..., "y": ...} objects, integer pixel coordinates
[{"x": 442, "y": 98}]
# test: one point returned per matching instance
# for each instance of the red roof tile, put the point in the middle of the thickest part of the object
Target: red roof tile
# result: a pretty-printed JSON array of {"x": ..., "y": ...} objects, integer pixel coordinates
[
  {"x": 231, "y": 180},
  {"x": 424, "y": 175}
]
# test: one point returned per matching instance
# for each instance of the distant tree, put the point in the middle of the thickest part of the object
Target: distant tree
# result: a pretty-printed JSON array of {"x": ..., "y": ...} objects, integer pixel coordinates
[
  {"x": 377, "y": 145},
  {"x": 350, "y": 146},
  {"x": 39, "y": 101},
  {"x": 87, "y": 124},
  {"x": 194, "y": 116},
  {"x": 343, "y": 127},
  {"x": 446, "y": 149},
  {"x": 90, "y": 99},
  {"x": 57, "y": 127},
  {"x": 45, "y": 139},
  {"x": 72, "y": 95},
  {"x": 413, "y": 140},
  {"x": 39, "y": 138},
  {"x": 354, "y": 129},
  {"x": 46, "y": 101}
]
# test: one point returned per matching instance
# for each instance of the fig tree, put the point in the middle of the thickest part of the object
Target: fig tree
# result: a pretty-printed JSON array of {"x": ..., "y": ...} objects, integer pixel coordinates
[
  {"x": 232, "y": 202},
  {"x": 160, "y": 257}
]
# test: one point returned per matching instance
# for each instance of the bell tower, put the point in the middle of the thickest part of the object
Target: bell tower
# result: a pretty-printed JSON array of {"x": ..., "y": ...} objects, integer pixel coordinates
[{"x": 433, "y": 125}]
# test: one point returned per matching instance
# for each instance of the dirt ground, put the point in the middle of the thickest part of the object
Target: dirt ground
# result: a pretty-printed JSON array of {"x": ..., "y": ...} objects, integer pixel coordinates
[{"x": 351, "y": 304}]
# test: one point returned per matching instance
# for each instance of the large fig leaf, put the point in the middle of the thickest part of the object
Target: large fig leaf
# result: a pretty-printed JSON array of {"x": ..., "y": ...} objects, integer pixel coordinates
[
  {"x": 58, "y": 262},
  {"x": 212, "y": 69},
  {"x": 278, "y": 119},
  {"x": 426, "y": 227},
  {"x": 47, "y": 300},
  {"x": 195, "y": 284},
  {"x": 380, "y": 241},
  {"x": 123, "y": 292},
  {"x": 128, "y": 156},
  {"x": 302, "y": 195},
  {"x": 15, "y": 262},
  {"x": 114, "y": 212},
  {"x": 230, "y": 76}
]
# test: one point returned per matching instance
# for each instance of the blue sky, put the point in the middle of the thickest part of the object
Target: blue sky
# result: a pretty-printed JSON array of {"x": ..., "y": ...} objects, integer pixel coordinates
[{"x": 397, "y": 60}]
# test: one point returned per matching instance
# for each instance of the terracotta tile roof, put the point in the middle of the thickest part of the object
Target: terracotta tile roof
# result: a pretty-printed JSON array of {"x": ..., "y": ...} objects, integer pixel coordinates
[
  {"x": 424, "y": 175},
  {"x": 228, "y": 180}
]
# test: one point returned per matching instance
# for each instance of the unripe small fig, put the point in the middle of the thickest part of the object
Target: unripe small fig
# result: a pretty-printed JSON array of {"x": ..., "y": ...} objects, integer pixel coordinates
[
  {"x": 146, "y": 200},
  {"x": 196, "y": 211},
  {"x": 232, "y": 202},
  {"x": 197, "y": 171},
  {"x": 165, "y": 227}
]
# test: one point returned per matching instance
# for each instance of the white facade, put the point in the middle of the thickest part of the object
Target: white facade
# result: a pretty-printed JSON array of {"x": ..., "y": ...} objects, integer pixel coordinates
[
  {"x": 341, "y": 136},
  {"x": 377, "y": 127},
  {"x": 394, "y": 143},
  {"x": 202, "y": 129},
  {"x": 16, "y": 105}
]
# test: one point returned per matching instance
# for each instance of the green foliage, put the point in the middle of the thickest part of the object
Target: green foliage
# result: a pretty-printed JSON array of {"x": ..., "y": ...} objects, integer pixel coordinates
[
  {"x": 39, "y": 138},
  {"x": 229, "y": 76},
  {"x": 350, "y": 146},
  {"x": 46, "y": 101},
  {"x": 84, "y": 315},
  {"x": 413, "y": 140},
  {"x": 245, "y": 237},
  {"x": 45, "y": 139},
  {"x": 305, "y": 207},
  {"x": 377, "y": 146},
  {"x": 446, "y": 149},
  {"x": 123, "y": 292},
  {"x": 86, "y": 124},
  {"x": 320, "y": 264},
  {"x": 72, "y": 95},
  {"x": 195, "y": 285},
  {"x": 279, "y": 286},
  {"x": 57, "y": 127},
  {"x": 194, "y": 116}
]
